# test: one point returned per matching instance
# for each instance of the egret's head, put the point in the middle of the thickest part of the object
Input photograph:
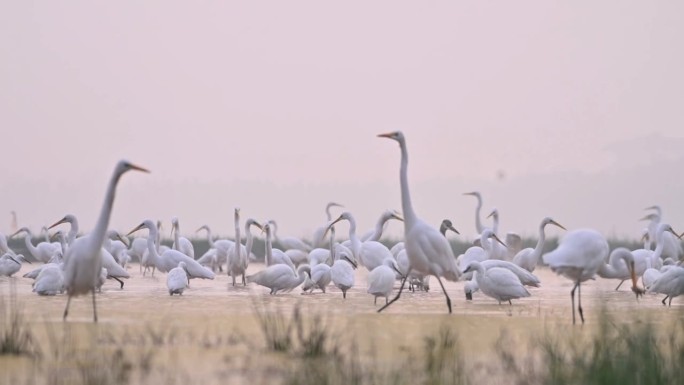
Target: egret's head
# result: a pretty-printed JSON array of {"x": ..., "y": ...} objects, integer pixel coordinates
[
  {"x": 125, "y": 165},
  {"x": 447, "y": 225},
  {"x": 396, "y": 135}
]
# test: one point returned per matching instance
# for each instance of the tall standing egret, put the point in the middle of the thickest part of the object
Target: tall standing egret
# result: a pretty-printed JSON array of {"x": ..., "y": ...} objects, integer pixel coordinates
[
  {"x": 171, "y": 258},
  {"x": 83, "y": 263},
  {"x": 672, "y": 245},
  {"x": 274, "y": 256},
  {"x": 238, "y": 255},
  {"x": 319, "y": 235},
  {"x": 370, "y": 254},
  {"x": 427, "y": 250},
  {"x": 528, "y": 258},
  {"x": 578, "y": 257},
  {"x": 181, "y": 244},
  {"x": 41, "y": 252}
]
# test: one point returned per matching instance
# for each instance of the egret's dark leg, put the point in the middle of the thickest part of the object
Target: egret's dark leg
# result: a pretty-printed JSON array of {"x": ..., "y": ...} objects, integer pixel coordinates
[
  {"x": 510, "y": 303},
  {"x": 664, "y": 299},
  {"x": 120, "y": 281},
  {"x": 66, "y": 310},
  {"x": 579, "y": 301},
  {"x": 94, "y": 308},
  {"x": 618, "y": 286},
  {"x": 386, "y": 300},
  {"x": 669, "y": 303},
  {"x": 375, "y": 301},
  {"x": 445, "y": 293},
  {"x": 401, "y": 288},
  {"x": 572, "y": 298},
  {"x": 344, "y": 294}
]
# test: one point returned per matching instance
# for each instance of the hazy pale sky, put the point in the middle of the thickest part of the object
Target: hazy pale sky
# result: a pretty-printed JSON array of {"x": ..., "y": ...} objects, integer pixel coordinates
[{"x": 273, "y": 106}]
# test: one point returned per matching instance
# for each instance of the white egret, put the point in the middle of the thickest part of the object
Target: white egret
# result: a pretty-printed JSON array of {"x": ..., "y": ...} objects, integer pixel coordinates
[
  {"x": 416, "y": 278},
  {"x": 82, "y": 261},
  {"x": 428, "y": 251},
  {"x": 50, "y": 280},
  {"x": 13, "y": 224},
  {"x": 381, "y": 279},
  {"x": 41, "y": 252},
  {"x": 370, "y": 254},
  {"x": 478, "y": 253},
  {"x": 376, "y": 233},
  {"x": 321, "y": 275},
  {"x": 238, "y": 255},
  {"x": 670, "y": 283},
  {"x": 181, "y": 244},
  {"x": 671, "y": 243},
  {"x": 578, "y": 257},
  {"x": 10, "y": 264},
  {"x": 478, "y": 222},
  {"x": 529, "y": 257},
  {"x": 319, "y": 235},
  {"x": 525, "y": 277},
  {"x": 342, "y": 272},
  {"x": 274, "y": 256},
  {"x": 221, "y": 248},
  {"x": 497, "y": 282},
  {"x": 73, "y": 230},
  {"x": 177, "y": 279},
  {"x": 171, "y": 258},
  {"x": 288, "y": 242},
  {"x": 280, "y": 277},
  {"x": 4, "y": 248}
]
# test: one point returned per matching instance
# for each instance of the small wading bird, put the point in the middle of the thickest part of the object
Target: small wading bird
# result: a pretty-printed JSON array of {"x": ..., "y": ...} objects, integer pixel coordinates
[
  {"x": 427, "y": 250},
  {"x": 82, "y": 261}
]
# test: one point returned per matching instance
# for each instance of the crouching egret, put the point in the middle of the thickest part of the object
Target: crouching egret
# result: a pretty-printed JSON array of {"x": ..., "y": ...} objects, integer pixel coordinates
[
  {"x": 177, "y": 279},
  {"x": 381, "y": 279},
  {"x": 280, "y": 277},
  {"x": 497, "y": 282}
]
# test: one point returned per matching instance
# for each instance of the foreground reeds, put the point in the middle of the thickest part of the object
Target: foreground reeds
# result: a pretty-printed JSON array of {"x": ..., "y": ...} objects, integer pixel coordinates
[{"x": 303, "y": 345}]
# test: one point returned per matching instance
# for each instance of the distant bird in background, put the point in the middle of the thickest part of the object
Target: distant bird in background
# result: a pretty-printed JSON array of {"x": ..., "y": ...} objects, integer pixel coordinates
[{"x": 14, "y": 225}]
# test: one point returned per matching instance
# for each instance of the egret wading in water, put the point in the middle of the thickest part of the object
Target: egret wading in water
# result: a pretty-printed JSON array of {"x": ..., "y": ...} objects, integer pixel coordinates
[
  {"x": 82, "y": 261},
  {"x": 428, "y": 251},
  {"x": 528, "y": 258},
  {"x": 578, "y": 257}
]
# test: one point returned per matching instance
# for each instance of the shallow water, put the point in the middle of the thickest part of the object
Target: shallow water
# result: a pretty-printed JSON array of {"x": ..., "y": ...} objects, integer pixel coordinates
[{"x": 211, "y": 332}]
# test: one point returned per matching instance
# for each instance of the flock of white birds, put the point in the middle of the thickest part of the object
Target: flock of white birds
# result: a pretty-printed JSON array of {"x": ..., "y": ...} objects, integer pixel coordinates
[{"x": 501, "y": 270}]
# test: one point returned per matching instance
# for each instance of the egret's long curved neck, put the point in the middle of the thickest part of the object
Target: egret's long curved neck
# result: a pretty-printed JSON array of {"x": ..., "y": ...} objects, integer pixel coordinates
[
  {"x": 176, "y": 236},
  {"x": 355, "y": 242},
  {"x": 540, "y": 242},
  {"x": 269, "y": 248},
  {"x": 29, "y": 245},
  {"x": 152, "y": 245},
  {"x": 73, "y": 230},
  {"x": 250, "y": 241},
  {"x": 332, "y": 247},
  {"x": 495, "y": 223},
  {"x": 406, "y": 206},
  {"x": 100, "y": 231},
  {"x": 238, "y": 238},
  {"x": 379, "y": 228},
  {"x": 660, "y": 245},
  {"x": 210, "y": 239},
  {"x": 327, "y": 212},
  {"x": 478, "y": 209},
  {"x": 45, "y": 233}
]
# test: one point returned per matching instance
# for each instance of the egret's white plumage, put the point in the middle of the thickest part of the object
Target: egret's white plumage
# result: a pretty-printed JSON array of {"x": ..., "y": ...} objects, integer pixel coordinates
[
  {"x": 181, "y": 244},
  {"x": 381, "y": 279},
  {"x": 171, "y": 258},
  {"x": 42, "y": 252},
  {"x": 177, "y": 279},
  {"x": 287, "y": 242},
  {"x": 670, "y": 283},
  {"x": 529, "y": 257},
  {"x": 280, "y": 277},
  {"x": 497, "y": 282},
  {"x": 376, "y": 233},
  {"x": 50, "y": 280},
  {"x": 82, "y": 261},
  {"x": 10, "y": 264},
  {"x": 319, "y": 235},
  {"x": 428, "y": 251}
]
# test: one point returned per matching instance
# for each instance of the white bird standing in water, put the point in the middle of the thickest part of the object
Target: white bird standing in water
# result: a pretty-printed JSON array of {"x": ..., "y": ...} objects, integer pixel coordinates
[
  {"x": 498, "y": 282},
  {"x": 381, "y": 279},
  {"x": 280, "y": 277},
  {"x": 319, "y": 235},
  {"x": 42, "y": 252},
  {"x": 578, "y": 257},
  {"x": 181, "y": 244},
  {"x": 73, "y": 229},
  {"x": 427, "y": 250},
  {"x": 171, "y": 258},
  {"x": 83, "y": 263},
  {"x": 177, "y": 279},
  {"x": 529, "y": 257}
]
